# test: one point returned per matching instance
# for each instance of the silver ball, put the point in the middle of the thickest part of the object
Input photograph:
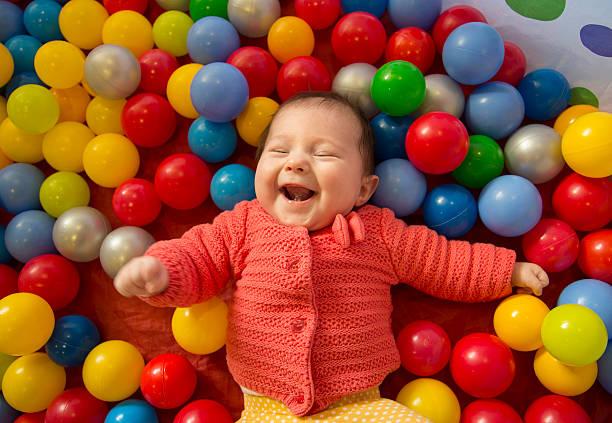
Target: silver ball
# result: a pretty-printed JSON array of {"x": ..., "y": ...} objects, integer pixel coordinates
[
  {"x": 353, "y": 82},
  {"x": 78, "y": 233},
  {"x": 253, "y": 18},
  {"x": 442, "y": 94},
  {"x": 534, "y": 152},
  {"x": 112, "y": 71},
  {"x": 122, "y": 245}
]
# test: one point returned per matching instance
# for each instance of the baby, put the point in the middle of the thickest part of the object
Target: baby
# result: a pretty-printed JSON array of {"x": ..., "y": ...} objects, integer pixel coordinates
[{"x": 309, "y": 333}]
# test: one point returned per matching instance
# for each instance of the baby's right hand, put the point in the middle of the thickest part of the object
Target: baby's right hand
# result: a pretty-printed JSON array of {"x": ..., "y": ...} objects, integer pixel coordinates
[{"x": 142, "y": 276}]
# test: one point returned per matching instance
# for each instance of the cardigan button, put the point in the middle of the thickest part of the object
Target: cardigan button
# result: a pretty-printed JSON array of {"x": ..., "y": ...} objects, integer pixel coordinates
[{"x": 297, "y": 325}]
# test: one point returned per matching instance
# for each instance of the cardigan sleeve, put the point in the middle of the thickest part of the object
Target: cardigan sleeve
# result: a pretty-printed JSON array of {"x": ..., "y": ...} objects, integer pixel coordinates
[
  {"x": 451, "y": 270},
  {"x": 202, "y": 261}
]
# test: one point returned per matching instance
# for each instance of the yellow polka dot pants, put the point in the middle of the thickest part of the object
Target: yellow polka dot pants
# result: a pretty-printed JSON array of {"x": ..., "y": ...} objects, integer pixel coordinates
[{"x": 364, "y": 407}]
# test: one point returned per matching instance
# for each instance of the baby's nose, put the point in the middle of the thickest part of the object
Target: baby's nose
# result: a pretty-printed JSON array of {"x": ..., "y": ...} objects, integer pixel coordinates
[{"x": 299, "y": 166}]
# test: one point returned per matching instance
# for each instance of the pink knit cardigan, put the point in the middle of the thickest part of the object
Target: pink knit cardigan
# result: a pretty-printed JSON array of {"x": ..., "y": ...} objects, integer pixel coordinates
[{"x": 310, "y": 315}]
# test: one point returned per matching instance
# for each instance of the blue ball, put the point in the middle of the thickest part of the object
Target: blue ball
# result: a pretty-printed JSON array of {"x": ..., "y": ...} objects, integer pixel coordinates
[
  {"x": 375, "y": 7},
  {"x": 232, "y": 184},
  {"x": 450, "y": 210},
  {"x": 132, "y": 411},
  {"x": 219, "y": 92},
  {"x": 5, "y": 256},
  {"x": 21, "y": 79},
  {"x": 421, "y": 13},
  {"x": 591, "y": 293},
  {"x": 402, "y": 187},
  {"x": 546, "y": 93},
  {"x": 41, "y": 19},
  {"x": 604, "y": 366},
  {"x": 495, "y": 109},
  {"x": 390, "y": 135},
  {"x": 73, "y": 337},
  {"x": 23, "y": 48},
  {"x": 19, "y": 187},
  {"x": 7, "y": 413},
  {"x": 212, "y": 142},
  {"x": 510, "y": 205},
  {"x": 473, "y": 53},
  {"x": 212, "y": 39},
  {"x": 11, "y": 20},
  {"x": 30, "y": 234}
]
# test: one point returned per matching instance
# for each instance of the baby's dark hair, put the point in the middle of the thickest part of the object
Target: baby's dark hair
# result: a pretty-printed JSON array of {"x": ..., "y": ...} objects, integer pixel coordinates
[{"x": 332, "y": 99}]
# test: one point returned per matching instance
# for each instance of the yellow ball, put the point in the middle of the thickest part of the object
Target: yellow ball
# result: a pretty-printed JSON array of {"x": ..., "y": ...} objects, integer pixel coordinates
[
  {"x": 432, "y": 399},
  {"x": 170, "y": 32},
  {"x": 518, "y": 321},
  {"x": 26, "y": 323},
  {"x": 112, "y": 370},
  {"x": 62, "y": 191},
  {"x": 19, "y": 145},
  {"x": 587, "y": 145},
  {"x": 562, "y": 379},
  {"x": 63, "y": 146},
  {"x": 7, "y": 65},
  {"x": 201, "y": 328},
  {"x": 81, "y": 23},
  {"x": 255, "y": 118},
  {"x": 73, "y": 103},
  {"x": 178, "y": 90},
  {"x": 128, "y": 29},
  {"x": 570, "y": 115},
  {"x": 104, "y": 116},
  {"x": 110, "y": 159},
  {"x": 33, "y": 108},
  {"x": 32, "y": 382},
  {"x": 5, "y": 361},
  {"x": 290, "y": 37},
  {"x": 59, "y": 64}
]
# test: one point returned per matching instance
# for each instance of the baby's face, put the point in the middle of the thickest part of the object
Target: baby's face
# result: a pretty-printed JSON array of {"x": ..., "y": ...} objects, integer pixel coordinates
[{"x": 311, "y": 168}]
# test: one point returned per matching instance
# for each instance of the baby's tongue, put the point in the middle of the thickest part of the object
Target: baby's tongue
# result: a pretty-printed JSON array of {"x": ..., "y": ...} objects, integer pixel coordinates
[{"x": 299, "y": 193}]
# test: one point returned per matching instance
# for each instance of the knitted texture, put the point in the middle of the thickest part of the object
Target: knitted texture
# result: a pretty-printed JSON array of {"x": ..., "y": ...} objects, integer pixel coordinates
[{"x": 310, "y": 316}]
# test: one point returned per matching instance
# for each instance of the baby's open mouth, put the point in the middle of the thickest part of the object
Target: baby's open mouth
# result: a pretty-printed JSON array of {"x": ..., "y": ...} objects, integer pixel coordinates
[{"x": 296, "y": 193}]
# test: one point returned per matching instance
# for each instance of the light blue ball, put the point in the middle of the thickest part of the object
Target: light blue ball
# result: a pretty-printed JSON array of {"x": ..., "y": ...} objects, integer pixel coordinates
[
  {"x": 402, "y": 187},
  {"x": 495, "y": 109},
  {"x": 473, "y": 53},
  {"x": 211, "y": 141},
  {"x": 604, "y": 366},
  {"x": 11, "y": 20},
  {"x": 450, "y": 210},
  {"x": 375, "y": 7},
  {"x": 41, "y": 19},
  {"x": 20, "y": 187},
  {"x": 131, "y": 411},
  {"x": 546, "y": 93},
  {"x": 420, "y": 13},
  {"x": 73, "y": 337},
  {"x": 390, "y": 136},
  {"x": 21, "y": 79},
  {"x": 212, "y": 39},
  {"x": 510, "y": 205},
  {"x": 232, "y": 184},
  {"x": 591, "y": 293},
  {"x": 23, "y": 48},
  {"x": 5, "y": 256},
  {"x": 30, "y": 234}
]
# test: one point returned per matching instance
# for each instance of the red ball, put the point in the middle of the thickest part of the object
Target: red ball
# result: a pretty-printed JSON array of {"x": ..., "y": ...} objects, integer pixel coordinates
[
  {"x": 424, "y": 348},
  {"x": 182, "y": 181},
  {"x": 304, "y": 73},
  {"x": 31, "y": 418},
  {"x": 412, "y": 45},
  {"x": 76, "y": 405},
  {"x": 156, "y": 67},
  {"x": 552, "y": 244},
  {"x": 258, "y": 67},
  {"x": 513, "y": 67},
  {"x": 148, "y": 120},
  {"x": 489, "y": 411},
  {"x": 452, "y": 18},
  {"x": 318, "y": 14},
  {"x": 595, "y": 257},
  {"x": 51, "y": 277},
  {"x": 556, "y": 409},
  {"x": 437, "y": 143},
  {"x": 117, "y": 5},
  {"x": 136, "y": 203},
  {"x": 8, "y": 280},
  {"x": 203, "y": 411},
  {"x": 482, "y": 365},
  {"x": 359, "y": 37},
  {"x": 584, "y": 203},
  {"x": 168, "y": 381}
]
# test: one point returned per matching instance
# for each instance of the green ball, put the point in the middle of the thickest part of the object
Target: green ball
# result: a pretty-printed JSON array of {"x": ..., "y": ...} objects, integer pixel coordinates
[
  {"x": 484, "y": 162},
  {"x": 398, "y": 88},
  {"x": 201, "y": 8}
]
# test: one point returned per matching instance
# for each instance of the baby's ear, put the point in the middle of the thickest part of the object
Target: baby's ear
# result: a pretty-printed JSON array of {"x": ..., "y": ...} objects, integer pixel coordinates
[{"x": 368, "y": 186}]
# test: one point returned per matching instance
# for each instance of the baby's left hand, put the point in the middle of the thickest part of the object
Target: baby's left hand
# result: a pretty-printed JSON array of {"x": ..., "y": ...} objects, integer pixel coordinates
[{"x": 529, "y": 278}]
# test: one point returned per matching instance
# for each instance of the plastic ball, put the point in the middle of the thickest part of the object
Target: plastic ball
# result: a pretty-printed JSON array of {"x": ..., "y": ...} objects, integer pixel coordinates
[
  {"x": 31, "y": 418},
  {"x": 33, "y": 108},
  {"x": 62, "y": 191},
  {"x": 73, "y": 338},
  {"x": 319, "y": 14},
  {"x": 591, "y": 293},
  {"x": 201, "y": 328},
  {"x": 72, "y": 102},
  {"x": 148, "y": 120},
  {"x": 412, "y": 45},
  {"x": 11, "y": 21},
  {"x": 484, "y": 162},
  {"x": 420, "y": 13},
  {"x": 258, "y": 67},
  {"x": 552, "y": 244},
  {"x": 232, "y": 184},
  {"x": 136, "y": 203},
  {"x": 432, "y": 399},
  {"x": 353, "y": 82},
  {"x": 489, "y": 411},
  {"x": 562, "y": 379},
  {"x": 201, "y": 8},
  {"x": 546, "y": 93},
  {"x": 19, "y": 187},
  {"x": 569, "y": 116},
  {"x": 451, "y": 19},
  {"x": 390, "y": 135},
  {"x": 7, "y": 65},
  {"x": 78, "y": 233},
  {"x": 156, "y": 67},
  {"x": 587, "y": 146},
  {"x": 253, "y": 19},
  {"x": 112, "y": 71},
  {"x": 63, "y": 146},
  {"x": 513, "y": 67},
  {"x": 211, "y": 39},
  {"x": 182, "y": 181},
  {"x": 76, "y": 405},
  {"x": 595, "y": 256},
  {"x": 130, "y": 30},
  {"x": 104, "y": 115},
  {"x": 7, "y": 413},
  {"x": 290, "y": 37},
  {"x": 402, "y": 187},
  {"x": 424, "y": 347},
  {"x": 81, "y": 23},
  {"x": 398, "y": 88},
  {"x": 442, "y": 94},
  {"x": 29, "y": 234},
  {"x": 168, "y": 381},
  {"x": 358, "y": 37},
  {"x": 23, "y": 49},
  {"x": 133, "y": 411},
  {"x": 555, "y": 409},
  {"x": 301, "y": 74},
  {"x": 26, "y": 323},
  {"x": 8, "y": 276},
  {"x": 182, "y": 5},
  {"x": 4, "y": 160},
  {"x": 20, "y": 80},
  {"x": 122, "y": 245},
  {"x": 19, "y": 145},
  {"x": 518, "y": 321},
  {"x": 213, "y": 142},
  {"x": 450, "y": 210},
  {"x": 375, "y": 7},
  {"x": 482, "y": 365},
  {"x": 170, "y": 32},
  {"x": 110, "y": 159},
  {"x": 41, "y": 19},
  {"x": 510, "y": 205},
  {"x": 59, "y": 64},
  {"x": 255, "y": 118},
  {"x": 604, "y": 366},
  {"x": 203, "y": 411}
]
